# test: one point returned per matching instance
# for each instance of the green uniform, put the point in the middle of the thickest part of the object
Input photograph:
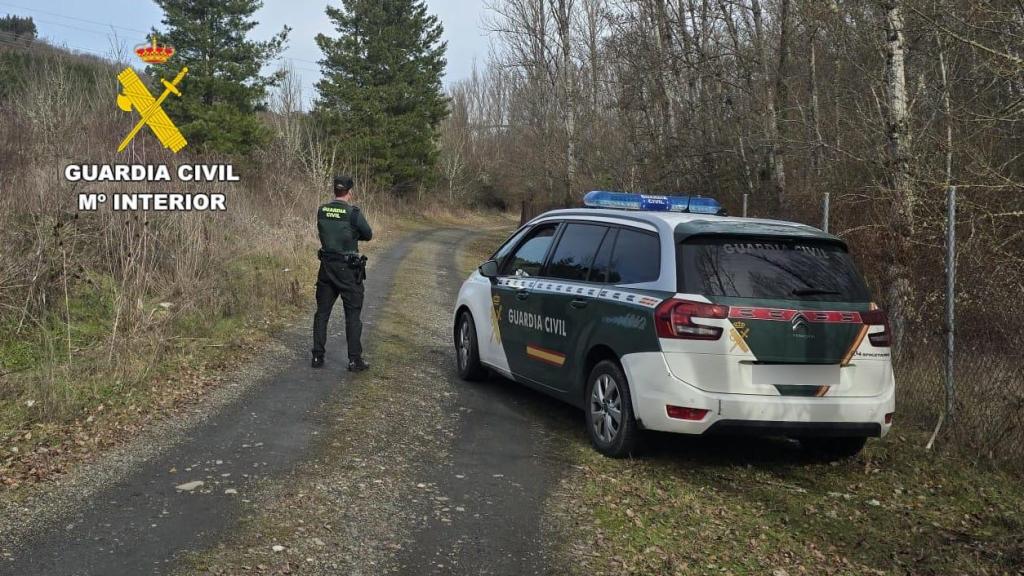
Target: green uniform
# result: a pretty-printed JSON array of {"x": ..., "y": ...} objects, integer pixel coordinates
[{"x": 340, "y": 226}]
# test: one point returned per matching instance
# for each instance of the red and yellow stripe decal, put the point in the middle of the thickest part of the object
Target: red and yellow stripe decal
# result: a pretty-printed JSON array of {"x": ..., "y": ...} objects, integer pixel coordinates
[
  {"x": 544, "y": 355},
  {"x": 857, "y": 341},
  {"x": 853, "y": 347},
  {"x": 786, "y": 315}
]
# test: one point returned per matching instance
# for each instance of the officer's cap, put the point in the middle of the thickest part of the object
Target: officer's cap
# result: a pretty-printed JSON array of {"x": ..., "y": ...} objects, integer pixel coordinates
[{"x": 342, "y": 184}]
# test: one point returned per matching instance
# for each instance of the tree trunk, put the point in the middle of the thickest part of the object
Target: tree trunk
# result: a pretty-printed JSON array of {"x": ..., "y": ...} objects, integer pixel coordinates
[
  {"x": 899, "y": 293},
  {"x": 593, "y": 10},
  {"x": 773, "y": 179},
  {"x": 568, "y": 81},
  {"x": 898, "y": 120},
  {"x": 814, "y": 127}
]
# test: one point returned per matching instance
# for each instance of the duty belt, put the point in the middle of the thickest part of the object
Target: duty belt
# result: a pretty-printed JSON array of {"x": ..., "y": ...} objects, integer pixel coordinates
[{"x": 329, "y": 256}]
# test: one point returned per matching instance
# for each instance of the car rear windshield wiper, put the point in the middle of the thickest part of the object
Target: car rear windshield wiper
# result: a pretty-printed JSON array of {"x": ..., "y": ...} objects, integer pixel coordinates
[{"x": 813, "y": 292}]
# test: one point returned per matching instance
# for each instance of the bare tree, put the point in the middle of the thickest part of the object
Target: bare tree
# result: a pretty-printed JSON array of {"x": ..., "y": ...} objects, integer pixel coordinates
[
  {"x": 286, "y": 106},
  {"x": 897, "y": 133},
  {"x": 567, "y": 75}
]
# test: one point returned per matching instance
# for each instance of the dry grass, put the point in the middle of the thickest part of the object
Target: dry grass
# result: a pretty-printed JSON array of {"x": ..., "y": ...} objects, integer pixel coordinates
[{"x": 111, "y": 312}]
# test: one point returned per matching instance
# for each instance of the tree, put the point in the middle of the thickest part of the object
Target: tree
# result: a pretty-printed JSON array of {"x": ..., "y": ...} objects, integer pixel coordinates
[
  {"x": 224, "y": 87},
  {"x": 898, "y": 145},
  {"x": 17, "y": 27},
  {"x": 381, "y": 90}
]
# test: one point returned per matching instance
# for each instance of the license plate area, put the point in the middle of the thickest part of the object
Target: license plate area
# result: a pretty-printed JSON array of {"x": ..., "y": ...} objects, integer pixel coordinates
[{"x": 795, "y": 374}]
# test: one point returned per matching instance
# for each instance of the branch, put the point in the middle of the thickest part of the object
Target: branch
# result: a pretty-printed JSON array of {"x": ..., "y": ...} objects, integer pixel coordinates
[{"x": 1013, "y": 59}]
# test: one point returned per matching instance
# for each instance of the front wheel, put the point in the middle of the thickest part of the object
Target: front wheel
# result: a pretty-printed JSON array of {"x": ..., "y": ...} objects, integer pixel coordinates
[
  {"x": 467, "y": 351},
  {"x": 830, "y": 449},
  {"x": 610, "y": 422}
]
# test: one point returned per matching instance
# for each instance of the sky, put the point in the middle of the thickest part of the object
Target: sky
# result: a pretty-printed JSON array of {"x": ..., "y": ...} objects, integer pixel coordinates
[{"x": 90, "y": 26}]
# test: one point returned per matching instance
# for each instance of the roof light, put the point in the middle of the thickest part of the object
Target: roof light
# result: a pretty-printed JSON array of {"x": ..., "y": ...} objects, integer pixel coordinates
[{"x": 632, "y": 201}]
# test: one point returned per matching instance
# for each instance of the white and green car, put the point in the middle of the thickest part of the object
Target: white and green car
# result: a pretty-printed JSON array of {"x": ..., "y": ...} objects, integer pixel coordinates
[{"x": 655, "y": 314}]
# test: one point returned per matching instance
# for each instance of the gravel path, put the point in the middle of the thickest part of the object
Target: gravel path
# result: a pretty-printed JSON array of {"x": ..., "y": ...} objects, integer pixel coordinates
[
  {"x": 499, "y": 473},
  {"x": 404, "y": 469},
  {"x": 183, "y": 497}
]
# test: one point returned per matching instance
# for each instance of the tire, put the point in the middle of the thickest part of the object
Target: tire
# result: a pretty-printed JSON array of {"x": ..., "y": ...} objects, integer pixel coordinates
[
  {"x": 831, "y": 449},
  {"x": 608, "y": 391},
  {"x": 467, "y": 351}
]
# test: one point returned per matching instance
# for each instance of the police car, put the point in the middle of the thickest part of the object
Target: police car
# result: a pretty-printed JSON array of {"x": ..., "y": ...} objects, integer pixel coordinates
[{"x": 652, "y": 312}]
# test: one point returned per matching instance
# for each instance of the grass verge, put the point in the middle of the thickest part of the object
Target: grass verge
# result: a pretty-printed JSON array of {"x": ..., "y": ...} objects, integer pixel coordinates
[
  {"x": 75, "y": 386},
  {"x": 732, "y": 506}
]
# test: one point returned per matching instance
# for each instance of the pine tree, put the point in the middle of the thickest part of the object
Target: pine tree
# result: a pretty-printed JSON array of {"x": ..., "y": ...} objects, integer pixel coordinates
[
  {"x": 17, "y": 27},
  {"x": 381, "y": 94},
  {"x": 224, "y": 87}
]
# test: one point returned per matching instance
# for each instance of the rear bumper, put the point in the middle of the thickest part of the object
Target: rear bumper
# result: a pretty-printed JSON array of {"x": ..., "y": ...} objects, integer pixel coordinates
[
  {"x": 769, "y": 428},
  {"x": 653, "y": 387}
]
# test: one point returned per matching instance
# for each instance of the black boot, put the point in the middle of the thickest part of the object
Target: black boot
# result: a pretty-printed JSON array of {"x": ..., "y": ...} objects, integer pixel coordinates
[
  {"x": 357, "y": 365},
  {"x": 318, "y": 361}
]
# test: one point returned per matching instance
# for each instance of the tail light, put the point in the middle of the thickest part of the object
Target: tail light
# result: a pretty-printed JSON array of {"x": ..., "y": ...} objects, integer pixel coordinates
[
  {"x": 675, "y": 319},
  {"x": 681, "y": 413},
  {"x": 878, "y": 318}
]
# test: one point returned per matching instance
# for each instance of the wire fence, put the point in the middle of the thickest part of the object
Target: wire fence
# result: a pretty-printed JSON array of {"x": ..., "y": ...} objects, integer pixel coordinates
[{"x": 957, "y": 364}]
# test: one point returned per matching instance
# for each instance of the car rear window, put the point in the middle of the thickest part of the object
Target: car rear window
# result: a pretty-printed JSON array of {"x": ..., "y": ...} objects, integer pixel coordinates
[{"x": 769, "y": 268}]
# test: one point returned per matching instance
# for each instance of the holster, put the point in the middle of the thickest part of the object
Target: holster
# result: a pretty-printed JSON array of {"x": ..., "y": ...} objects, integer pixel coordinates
[
  {"x": 355, "y": 262},
  {"x": 358, "y": 263}
]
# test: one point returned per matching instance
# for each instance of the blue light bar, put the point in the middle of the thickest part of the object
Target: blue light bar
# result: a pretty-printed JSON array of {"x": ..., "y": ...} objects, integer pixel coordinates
[{"x": 646, "y": 202}]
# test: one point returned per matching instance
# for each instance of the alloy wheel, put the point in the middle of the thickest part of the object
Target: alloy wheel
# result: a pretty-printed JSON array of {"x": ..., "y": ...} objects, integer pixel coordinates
[
  {"x": 464, "y": 343},
  {"x": 606, "y": 408}
]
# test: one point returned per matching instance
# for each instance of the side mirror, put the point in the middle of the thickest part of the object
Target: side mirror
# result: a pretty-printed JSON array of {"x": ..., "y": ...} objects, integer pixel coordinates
[{"x": 489, "y": 269}]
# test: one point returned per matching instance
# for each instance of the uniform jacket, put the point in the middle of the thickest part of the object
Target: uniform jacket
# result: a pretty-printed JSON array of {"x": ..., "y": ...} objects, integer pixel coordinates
[{"x": 341, "y": 226}]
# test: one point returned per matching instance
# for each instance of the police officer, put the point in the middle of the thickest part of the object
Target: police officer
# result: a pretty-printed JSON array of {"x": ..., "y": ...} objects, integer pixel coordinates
[{"x": 341, "y": 226}]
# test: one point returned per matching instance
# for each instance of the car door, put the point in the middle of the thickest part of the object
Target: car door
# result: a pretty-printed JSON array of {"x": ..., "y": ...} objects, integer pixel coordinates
[
  {"x": 486, "y": 305},
  {"x": 567, "y": 310},
  {"x": 517, "y": 305}
]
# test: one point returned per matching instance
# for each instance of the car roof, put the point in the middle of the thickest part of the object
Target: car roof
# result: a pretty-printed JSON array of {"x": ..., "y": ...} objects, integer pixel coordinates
[{"x": 685, "y": 225}]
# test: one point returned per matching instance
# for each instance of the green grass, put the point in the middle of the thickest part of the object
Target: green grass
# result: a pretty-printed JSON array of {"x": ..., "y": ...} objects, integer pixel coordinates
[
  {"x": 46, "y": 389},
  {"x": 707, "y": 506},
  {"x": 26, "y": 343}
]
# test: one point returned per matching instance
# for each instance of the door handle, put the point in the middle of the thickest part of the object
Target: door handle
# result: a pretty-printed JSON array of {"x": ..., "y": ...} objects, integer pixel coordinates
[
  {"x": 579, "y": 303},
  {"x": 523, "y": 294}
]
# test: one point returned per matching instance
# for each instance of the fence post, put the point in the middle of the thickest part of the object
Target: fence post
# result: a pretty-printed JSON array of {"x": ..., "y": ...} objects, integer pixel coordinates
[
  {"x": 745, "y": 205},
  {"x": 950, "y": 301},
  {"x": 948, "y": 413},
  {"x": 824, "y": 214}
]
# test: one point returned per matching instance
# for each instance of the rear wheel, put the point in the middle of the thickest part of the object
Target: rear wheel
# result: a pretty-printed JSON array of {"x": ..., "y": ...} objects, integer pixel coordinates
[
  {"x": 467, "y": 352},
  {"x": 610, "y": 421},
  {"x": 830, "y": 449}
]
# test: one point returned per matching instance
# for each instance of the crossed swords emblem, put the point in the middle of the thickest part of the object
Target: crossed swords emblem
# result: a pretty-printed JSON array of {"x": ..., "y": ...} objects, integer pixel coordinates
[{"x": 137, "y": 96}]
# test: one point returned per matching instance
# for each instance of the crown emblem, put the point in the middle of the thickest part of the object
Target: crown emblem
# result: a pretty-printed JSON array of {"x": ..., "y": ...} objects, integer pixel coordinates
[{"x": 154, "y": 53}]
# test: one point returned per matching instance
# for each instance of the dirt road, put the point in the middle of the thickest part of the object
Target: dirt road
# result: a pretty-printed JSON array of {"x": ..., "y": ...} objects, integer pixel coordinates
[{"x": 159, "y": 514}]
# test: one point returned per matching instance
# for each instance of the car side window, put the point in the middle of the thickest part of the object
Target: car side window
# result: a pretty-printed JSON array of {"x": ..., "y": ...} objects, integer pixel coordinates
[
  {"x": 509, "y": 244},
  {"x": 636, "y": 258},
  {"x": 528, "y": 258},
  {"x": 574, "y": 254},
  {"x": 599, "y": 270}
]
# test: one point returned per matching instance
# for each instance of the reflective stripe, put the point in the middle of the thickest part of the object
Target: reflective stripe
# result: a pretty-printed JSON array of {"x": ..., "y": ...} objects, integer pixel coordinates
[{"x": 574, "y": 289}]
